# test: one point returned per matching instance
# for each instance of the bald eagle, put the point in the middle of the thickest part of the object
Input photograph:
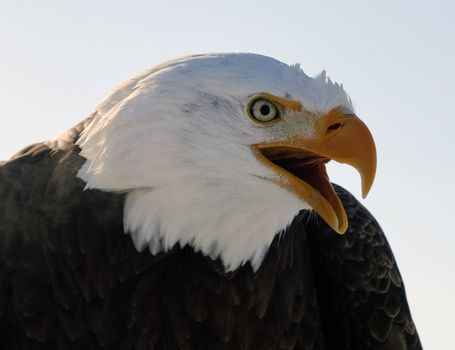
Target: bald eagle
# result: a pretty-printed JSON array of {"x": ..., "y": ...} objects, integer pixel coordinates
[{"x": 192, "y": 210}]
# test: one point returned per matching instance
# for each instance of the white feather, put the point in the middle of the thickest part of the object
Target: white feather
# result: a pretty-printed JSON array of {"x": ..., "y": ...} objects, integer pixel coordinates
[{"x": 177, "y": 138}]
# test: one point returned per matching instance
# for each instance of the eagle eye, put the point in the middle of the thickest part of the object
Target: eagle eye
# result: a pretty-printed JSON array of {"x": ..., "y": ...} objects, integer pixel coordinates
[{"x": 263, "y": 110}]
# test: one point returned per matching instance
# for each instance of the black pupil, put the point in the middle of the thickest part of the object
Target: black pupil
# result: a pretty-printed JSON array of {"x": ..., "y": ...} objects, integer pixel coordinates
[{"x": 265, "y": 109}]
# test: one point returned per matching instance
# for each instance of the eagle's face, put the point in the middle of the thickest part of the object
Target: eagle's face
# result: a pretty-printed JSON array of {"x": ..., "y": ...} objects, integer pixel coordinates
[{"x": 222, "y": 151}]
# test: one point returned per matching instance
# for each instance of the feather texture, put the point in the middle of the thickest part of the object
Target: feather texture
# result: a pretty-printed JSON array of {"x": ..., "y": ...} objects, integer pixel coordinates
[
  {"x": 178, "y": 136},
  {"x": 71, "y": 279},
  {"x": 74, "y": 280}
]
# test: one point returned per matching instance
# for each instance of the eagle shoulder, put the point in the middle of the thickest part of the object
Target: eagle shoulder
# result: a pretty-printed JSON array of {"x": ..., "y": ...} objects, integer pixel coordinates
[{"x": 361, "y": 293}]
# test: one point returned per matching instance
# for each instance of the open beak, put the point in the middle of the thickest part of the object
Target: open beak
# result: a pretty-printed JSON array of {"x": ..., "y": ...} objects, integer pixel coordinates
[{"x": 301, "y": 163}]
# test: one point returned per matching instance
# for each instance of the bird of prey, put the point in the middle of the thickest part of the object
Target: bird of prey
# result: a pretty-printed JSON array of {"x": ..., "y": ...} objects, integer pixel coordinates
[{"x": 192, "y": 210}]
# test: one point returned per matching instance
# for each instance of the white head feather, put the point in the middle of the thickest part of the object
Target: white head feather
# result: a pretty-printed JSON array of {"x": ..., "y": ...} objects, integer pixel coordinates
[{"x": 177, "y": 139}]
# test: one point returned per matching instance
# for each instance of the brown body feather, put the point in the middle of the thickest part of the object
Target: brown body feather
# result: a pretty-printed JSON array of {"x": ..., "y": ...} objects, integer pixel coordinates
[{"x": 71, "y": 279}]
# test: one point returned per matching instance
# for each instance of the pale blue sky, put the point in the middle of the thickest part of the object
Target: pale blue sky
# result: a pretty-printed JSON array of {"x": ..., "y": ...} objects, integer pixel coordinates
[{"x": 395, "y": 58}]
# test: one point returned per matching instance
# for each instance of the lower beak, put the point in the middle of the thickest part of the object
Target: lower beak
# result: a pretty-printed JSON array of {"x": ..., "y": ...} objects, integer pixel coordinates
[{"x": 300, "y": 163}]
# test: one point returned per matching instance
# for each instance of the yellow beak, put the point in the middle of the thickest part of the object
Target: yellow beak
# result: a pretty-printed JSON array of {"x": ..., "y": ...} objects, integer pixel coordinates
[{"x": 301, "y": 162}]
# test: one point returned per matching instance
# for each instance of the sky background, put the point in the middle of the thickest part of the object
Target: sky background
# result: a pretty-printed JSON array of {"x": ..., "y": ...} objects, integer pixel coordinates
[{"x": 58, "y": 59}]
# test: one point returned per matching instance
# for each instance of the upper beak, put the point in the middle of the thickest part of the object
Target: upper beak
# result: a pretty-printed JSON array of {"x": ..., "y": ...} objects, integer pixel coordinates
[{"x": 301, "y": 162}]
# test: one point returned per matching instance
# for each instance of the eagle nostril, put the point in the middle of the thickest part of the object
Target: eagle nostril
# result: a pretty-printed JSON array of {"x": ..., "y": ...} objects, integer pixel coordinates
[{"x": 334, "y": 127}]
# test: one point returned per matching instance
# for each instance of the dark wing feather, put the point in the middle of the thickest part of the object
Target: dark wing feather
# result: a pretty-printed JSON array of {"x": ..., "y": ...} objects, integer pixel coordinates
[
  {"x": 71, "y": 279},
  {"x": 361, "y": 292},
  {"x": 61, "y": 265}
]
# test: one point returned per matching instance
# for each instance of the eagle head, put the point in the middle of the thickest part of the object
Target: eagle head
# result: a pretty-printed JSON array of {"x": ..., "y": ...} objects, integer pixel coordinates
[{"x": 222, "y": 151}]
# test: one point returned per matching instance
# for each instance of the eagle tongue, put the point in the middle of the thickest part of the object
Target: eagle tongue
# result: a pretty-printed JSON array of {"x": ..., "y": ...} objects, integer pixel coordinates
[
  {"x": 310, "y": 168},
  {"x": 314, "y": 173},
  {"x": 319, "y": 180},
  {"x": 305, "y": 173}
]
